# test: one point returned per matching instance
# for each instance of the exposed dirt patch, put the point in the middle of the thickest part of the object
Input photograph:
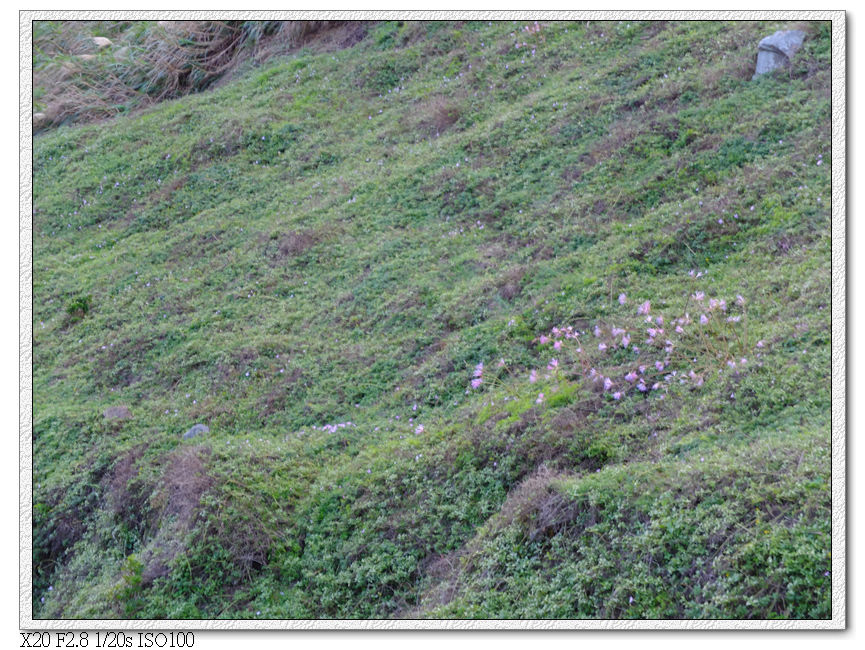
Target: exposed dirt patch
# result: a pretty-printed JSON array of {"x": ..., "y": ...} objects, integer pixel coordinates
[
  {"x": 277, "y": 399},
  {"x": 433, "y": 115},
  {"x": 126, "y": 494},
  {"x": 118, "y": 365},
  {"x": 174, "y": 504}
]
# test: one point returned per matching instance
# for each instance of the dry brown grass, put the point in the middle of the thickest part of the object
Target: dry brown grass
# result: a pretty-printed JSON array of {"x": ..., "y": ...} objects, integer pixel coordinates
[
  {"x": 510, "y": 286},
  {"x": 78, "y": 83},
  {"x": 298, "y": 242}
]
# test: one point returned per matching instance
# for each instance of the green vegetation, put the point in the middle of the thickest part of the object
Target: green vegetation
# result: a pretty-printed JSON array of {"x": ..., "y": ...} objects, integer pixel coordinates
[{"x": 406, "y": 285}]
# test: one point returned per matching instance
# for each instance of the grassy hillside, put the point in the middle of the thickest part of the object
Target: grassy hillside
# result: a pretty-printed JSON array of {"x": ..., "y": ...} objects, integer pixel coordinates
[{"x": 485, "y": 320}]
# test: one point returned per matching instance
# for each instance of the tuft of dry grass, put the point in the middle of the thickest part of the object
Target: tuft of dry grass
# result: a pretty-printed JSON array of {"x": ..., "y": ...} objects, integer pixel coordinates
[{"x": 78, "y": 77}]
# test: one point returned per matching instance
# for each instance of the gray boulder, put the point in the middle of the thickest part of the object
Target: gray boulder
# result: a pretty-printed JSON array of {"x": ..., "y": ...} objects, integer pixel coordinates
[
  {"x": 777, "y": 50},
  {"x": 195, "y": 430}
]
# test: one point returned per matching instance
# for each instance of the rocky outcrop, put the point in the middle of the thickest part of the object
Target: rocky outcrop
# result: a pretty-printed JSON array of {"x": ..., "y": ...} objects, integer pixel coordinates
[
  {"x": 776, "y": 51},
  {"x": 196, "y": 430}
]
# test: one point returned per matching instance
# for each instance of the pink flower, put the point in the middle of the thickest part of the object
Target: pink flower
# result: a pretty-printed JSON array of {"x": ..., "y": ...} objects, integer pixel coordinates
[
  {"x": 703, "y": 319},
  {"x": 616, "y": 331},
  {"x": 642, "y": 387},
  {"x": 608, "y": 383},
  {"x": 659, "y": 320},
  {"x": 533, "y": 376},
  {"x": 479, "y": 369},
  {"x": 622, "y": 299},
  {"x": 418, "y": 429},
  {"x": 544, "y": 339},
  {"x": 679, "y": 329},
  {"x": 602, "y": 346},
  {"x": 659, "y": 365},
  {"x": 699, "y": 295},
  {"x": 644, "y": 308},
  {"x": 631, "y": 377},
  {"x": 760, "y": 344},
  {"x": 740, "y": 300},
  {"x": 540, "y": 398},
  {"x": 625, "y": 341},
  {"x": 476, "y": 383},
  {"x": 554, "y": 363},
  {"x": 557, "y": 345},
  {"x": 597, "y": 331},
  {"x": 617, "y": 395}
]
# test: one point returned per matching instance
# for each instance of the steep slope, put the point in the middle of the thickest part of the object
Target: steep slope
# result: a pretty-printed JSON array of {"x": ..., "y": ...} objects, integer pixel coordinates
[{"x": 406, "y": 286}]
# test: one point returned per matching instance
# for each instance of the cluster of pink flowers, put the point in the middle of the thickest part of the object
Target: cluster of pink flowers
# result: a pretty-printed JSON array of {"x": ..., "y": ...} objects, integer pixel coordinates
[
  {"x": 651, "y": 375},
  {"x": 664, "y": 361},
  {"x": 478, "y": 376}
]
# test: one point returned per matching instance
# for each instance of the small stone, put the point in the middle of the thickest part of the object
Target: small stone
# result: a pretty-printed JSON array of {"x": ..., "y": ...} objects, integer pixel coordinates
[
  {"x": 777, "y": 50},
  {"x": 117, "y": 413},
  {"x": 195, "y": 430},
  {"x": 101, "y": 41}
]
